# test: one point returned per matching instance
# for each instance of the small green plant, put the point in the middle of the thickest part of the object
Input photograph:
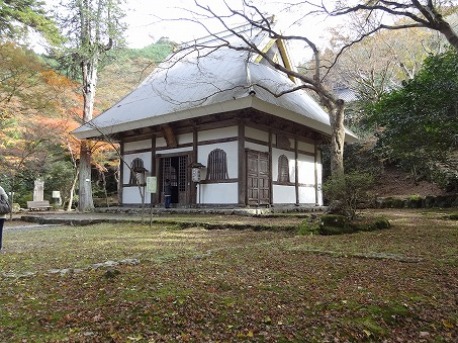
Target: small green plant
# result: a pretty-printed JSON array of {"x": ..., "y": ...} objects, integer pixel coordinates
[
  {"x": 453, "y": 216},
  {"x": 333, "y": 224},
  {"x": 348, "y": 192},
  {"x": 309, "y": 227}
]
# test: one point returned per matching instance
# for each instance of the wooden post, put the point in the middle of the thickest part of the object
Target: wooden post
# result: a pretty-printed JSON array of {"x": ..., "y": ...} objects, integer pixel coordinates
[
  {"x": 242, "y": 164},
  {"x": 296, "y": 173}
]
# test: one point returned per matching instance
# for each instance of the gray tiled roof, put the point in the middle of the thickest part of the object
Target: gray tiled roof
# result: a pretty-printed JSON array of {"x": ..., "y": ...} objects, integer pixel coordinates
[{"x": 195, "y": 83}]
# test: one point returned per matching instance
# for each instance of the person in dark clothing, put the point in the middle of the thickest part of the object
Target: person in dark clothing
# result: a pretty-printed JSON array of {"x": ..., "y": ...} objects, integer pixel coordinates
[
  {"x": 2, "y": 216},
  {"x": 167, "y": 194}
]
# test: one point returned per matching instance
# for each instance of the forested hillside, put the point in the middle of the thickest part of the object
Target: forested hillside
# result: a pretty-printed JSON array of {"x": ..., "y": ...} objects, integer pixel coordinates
[{"x": 40, "y": 104}]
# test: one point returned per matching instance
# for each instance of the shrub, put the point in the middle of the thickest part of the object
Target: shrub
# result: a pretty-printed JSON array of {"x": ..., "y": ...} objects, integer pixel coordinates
[
  {"x": 308, "y": 227},
  {"x": 338, "y": 224},
  {"x": 347, "y": 192},
  {"x": 453, "y": 216}
]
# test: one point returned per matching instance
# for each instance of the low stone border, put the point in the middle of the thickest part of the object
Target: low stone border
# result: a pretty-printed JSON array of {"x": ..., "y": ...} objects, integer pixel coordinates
[
  {"x": 441, "y": 201},
  {"x": 108, "y": 265}
]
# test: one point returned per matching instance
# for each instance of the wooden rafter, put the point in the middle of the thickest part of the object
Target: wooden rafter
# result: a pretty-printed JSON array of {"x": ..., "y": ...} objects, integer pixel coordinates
[{"x": 169, "y": 136}]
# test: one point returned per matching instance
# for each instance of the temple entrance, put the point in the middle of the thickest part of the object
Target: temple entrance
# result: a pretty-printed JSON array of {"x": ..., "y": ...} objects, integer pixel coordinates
[
  {"x": 175, "y": 168},
  {"x": 258, "y": 182}
]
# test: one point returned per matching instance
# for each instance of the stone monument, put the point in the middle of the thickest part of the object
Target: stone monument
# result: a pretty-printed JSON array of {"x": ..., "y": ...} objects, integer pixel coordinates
[{"x": 38, "y": 190}]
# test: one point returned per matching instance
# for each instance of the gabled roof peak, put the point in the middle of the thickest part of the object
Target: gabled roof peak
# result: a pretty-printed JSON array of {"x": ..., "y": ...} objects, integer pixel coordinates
[{"x": 251, "y": 30}]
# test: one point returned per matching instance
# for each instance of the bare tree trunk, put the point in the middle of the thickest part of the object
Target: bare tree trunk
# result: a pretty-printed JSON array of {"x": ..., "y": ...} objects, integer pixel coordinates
[
  {"x": 85, "y": 201},
  {"x": 89, "y": 69},
  {"x": 72, "y": 191},
  {"x": 337, "y": 138},
  {"x": 449, "y": 33}
]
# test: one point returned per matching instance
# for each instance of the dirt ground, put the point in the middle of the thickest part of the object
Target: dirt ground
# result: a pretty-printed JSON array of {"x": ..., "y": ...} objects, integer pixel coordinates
[{"x": 395, "y": 183}]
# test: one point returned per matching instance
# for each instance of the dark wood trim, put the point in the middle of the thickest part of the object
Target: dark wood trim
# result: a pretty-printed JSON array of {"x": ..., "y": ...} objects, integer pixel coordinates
[
  {"x": 242, "y": 164},
  {"x": 187, "y": 145},
  {"x": 216, "y": 141},
  {"x": 159, "y": 181},
  {"x": 306, "y": 153},
  {"x": 138, "y": 151},
  {"x": 292, "y": 184},
  {"x": 256, "y": 141},
  {"x": 195, "y": 156},
  {"x": 174, "y": 154},
  {"x": 153, "y": 170},
  {"x": 274, "y": 124},
  {"x": 277, "y": 183},
  {"x": 317, "y": 151},
  {"x": 121, "y": 173},
  {"x": 169, "y": 136},
  {"x": 218, "y": 124},
  {"x": 271, "y": 190},
  {"x": 296, "y": 172},
  {"x": 209, "y": 182}
]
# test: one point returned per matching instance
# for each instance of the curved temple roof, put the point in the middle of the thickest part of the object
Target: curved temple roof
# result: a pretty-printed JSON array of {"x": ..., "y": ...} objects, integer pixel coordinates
[{"x": 199, "y": 82}]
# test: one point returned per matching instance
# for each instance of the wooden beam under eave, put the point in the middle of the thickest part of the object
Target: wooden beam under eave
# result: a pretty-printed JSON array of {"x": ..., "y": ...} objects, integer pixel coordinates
[
  {"x": 169, "y": 136},
  {"x": 285, "y": 57}
]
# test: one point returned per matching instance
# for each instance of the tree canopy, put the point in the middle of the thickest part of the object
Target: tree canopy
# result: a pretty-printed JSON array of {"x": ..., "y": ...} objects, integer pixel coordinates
[
  {"x": 417, "y": 124},
  {"x": 17, "y": 16}
]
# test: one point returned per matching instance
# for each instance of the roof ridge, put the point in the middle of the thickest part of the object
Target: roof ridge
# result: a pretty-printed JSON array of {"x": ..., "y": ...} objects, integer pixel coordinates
[{"x": 226, "y": 33}]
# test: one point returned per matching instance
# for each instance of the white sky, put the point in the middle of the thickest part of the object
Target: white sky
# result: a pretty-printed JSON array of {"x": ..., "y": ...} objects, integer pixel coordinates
[{"x": 149, "y": 20}]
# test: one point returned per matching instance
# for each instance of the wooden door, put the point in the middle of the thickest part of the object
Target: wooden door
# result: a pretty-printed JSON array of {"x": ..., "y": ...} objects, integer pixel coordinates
[
  {"x": 176, "y": 170},
  {"x": 258, "y": 181}
]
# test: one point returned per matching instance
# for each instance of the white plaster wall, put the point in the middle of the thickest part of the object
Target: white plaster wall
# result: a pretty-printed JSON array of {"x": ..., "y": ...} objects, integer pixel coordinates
[
  {"x": 256, "y": 134},
  {"x": 256, "y": 147},
  {"x": 131, "y": 195},
  {"x": 185, "y": 138},
  {"x": 144, "y": 144},
  {"x": 160, "y": 142},
  {"x": 307, "y": 195},
  {"x": 319, "y": 167},
  {"x": 276, "y": 153},
  {"x": 231, "y": 149},
  {"x": 284, "y": 194},
  {"x": 307, "y": 147},
  {"x": 306, "y": 169},
  {"x": 226, "y": 132},
  {"x": 218, "y": 193},
  {"x": 145, "y": 156}
]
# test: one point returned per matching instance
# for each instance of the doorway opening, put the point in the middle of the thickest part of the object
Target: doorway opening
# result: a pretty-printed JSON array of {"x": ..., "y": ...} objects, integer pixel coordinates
[{"x": 175, "y": 169}]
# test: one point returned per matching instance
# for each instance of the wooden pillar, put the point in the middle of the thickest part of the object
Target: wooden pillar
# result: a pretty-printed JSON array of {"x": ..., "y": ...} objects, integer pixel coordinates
[
  {"x": 296, "y": 173},
  {"x": 242, "y": 164},
  {"x": 317, "y": 151},
  {"x": 193, "y": 185},
  {"x": 271, "y": 186},
  {"x": 121, "y": 173},
  {"x": 153, "y": 169}
]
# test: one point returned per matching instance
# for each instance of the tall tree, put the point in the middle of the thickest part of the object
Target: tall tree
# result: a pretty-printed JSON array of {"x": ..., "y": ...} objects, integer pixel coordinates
[
  {"x": 17, "y": 16},
  {"x": 378, "y": 15},
  {"x": 418, "y": 122},
  {"x": 92, "y": 27}
]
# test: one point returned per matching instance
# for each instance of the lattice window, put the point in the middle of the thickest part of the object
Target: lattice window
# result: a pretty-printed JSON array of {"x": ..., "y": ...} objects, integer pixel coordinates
[
  {"x": 283, "y": 169},
  {"x": 182, "y": 169},
  {"x": 168, "y": 172},
  {"x": 137, "y": 172},
  {"x": 217, "y": 165}
]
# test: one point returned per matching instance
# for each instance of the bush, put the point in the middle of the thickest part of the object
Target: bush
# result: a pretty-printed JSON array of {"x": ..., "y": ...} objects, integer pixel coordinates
[
  {"x": 453, "y": 216},
  {"x": 335, "y": 225},
  {"x": 309, "y": 227},
  {"x": 348, "y": 192},
  {"x": 335, "y": 220}
]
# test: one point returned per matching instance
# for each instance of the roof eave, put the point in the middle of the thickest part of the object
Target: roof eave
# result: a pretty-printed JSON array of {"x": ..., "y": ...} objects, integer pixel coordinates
[{"x": 88, "y": 132}]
